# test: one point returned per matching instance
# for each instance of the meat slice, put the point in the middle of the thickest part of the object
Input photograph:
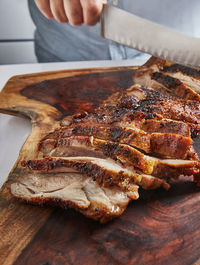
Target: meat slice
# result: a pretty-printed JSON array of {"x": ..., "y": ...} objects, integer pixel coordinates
[
  {"x": 143, "y": 103},
  {"x": 132, "y": 158},
  {"x": 74, "y": 191},
  {"x": 134, "y": 110},
  {"x": 126, "y": 155},
  {"x": 105, "y": 171},
  {"x": 166, "y": 126},
  {"x": 165, "y": 144},
  {"x": 131, "y": 110},
  {"x": 71, "y": 146},
  {"x": 126, "y": 135},
  {"x": 156, "y": 103},
  {"x": 173, "y": 85},
  {"x": 171, "y": 145},
  {"x": 169, "y": 77},
  {"x": 169, "y": 107},
  {"x": 157, "y": 125},
  {"x": 84, "y": 145},
  {"x": 188, "y": 76}
]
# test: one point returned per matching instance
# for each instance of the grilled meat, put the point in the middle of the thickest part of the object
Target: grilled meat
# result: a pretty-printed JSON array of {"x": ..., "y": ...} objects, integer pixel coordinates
[
  {"x": 104, "y": 171},
  {"x": 166, "y": 126},
  {"x": 73, "y": 190},
  {"x": 179, "y": 80},
  {"x": 155, "y": 143},
  {"x": 126, "y": 155},
  {"x": 142, "y": 137}
]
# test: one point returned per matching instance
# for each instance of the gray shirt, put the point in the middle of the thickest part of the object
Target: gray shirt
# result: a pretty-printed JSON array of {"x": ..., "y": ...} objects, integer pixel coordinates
[{"x": 63, "y": 42}]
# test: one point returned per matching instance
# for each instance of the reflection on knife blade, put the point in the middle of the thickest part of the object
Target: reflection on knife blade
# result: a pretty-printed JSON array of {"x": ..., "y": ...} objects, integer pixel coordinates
[{"x": 149, "y": 37}]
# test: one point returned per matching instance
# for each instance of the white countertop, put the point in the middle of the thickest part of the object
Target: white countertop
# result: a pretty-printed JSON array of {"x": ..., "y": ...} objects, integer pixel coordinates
[{"x": 14, "y": 130}]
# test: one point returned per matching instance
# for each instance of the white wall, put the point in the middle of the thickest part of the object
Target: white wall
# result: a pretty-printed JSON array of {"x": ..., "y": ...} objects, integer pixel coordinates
[{"x": 16, "y": 33}]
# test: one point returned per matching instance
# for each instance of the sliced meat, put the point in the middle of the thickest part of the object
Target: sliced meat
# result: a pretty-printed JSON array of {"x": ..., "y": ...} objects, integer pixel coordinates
[
  {"x": 169, "y": 107},
  {"x": 106, "y": 203},
  {"x": 75, "y": 191},
  {"x": 134, "y": 159},
  {"x": 71, "y": 146},
  {"x": 160, "y": 125},
  {"x": 132, "y": 136},
  {"x": 161, "y": 75},
  {"x": 173, "y": 85},
  {"x": 141, "y": 136},
  {"x": 165, "y": 144},
  {"x": 173, "y": 168},
  {"x": 126, "y": 135},
  {"x": 154, "y": 104},
  {"x": 105, "y": 171},
  {"x": 66, "y": 147},
  {"x": 171, "y": 145},
  {"x": 143, "y": 103},
  {"x": 166, "y": 126},
  {"x": 188, "y": 76},
  {"x": 126, "y": 155},
  {"x": 147, "y": 125}
]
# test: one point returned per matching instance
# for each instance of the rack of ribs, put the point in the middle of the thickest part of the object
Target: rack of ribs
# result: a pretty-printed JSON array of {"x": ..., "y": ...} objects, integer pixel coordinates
[{"x": 140, "y": 138}]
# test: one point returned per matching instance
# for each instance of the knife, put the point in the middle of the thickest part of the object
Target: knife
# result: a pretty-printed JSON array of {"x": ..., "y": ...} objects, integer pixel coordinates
[{"x": 149, "y": 37}]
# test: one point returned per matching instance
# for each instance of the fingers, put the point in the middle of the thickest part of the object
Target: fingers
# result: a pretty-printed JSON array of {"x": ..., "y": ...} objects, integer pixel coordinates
[
  {"x": 44, "y": 7},
  {"x": 74, "y": 12},
  {"x": 91, "y": 11},
  {"x": 58, "y": 11}
]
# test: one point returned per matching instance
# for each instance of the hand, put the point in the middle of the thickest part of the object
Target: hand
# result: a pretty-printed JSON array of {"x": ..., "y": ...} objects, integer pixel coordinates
[{"x": 75, "y": 12}]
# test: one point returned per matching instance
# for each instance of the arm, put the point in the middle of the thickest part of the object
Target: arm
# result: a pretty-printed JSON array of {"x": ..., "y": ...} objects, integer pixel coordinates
[{"x": 75, "y": 12}]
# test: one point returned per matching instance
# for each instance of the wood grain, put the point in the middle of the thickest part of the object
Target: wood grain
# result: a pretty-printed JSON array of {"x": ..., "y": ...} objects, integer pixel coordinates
[
  {"x": 160, "y": 228},
  {"x": 151, "y": 231}
]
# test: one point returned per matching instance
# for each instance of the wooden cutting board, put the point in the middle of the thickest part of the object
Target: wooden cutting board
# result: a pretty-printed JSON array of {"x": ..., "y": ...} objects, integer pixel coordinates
[{"x": 162, "y": 227}]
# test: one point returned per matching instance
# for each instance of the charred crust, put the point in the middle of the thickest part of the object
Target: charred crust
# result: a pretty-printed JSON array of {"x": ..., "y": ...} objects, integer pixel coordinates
[
  {"x": 80, "y": 116},
  {"x": 109, "y": 148},
  {"x": 166, "y": 80},
  {"x": 174, "y": 68},
  {"x": 118, "y": 114},
  {"x": 195, "y": 131},
  {"x": 150, "y": 116},
  {"x": 162, "y": 124},
  {"x": 52, "y": 165},
  {"x": 94, "y": 178},
  {"x": 116, "y": 133},
  {"x": 129, "y": 102},
  {"x": 84, "y": 130},
  {"x": 75, "y": 129}
]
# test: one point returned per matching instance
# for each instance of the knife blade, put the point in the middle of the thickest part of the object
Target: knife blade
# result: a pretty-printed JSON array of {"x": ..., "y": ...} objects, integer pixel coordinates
[{"x": 149, "y": 37}]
